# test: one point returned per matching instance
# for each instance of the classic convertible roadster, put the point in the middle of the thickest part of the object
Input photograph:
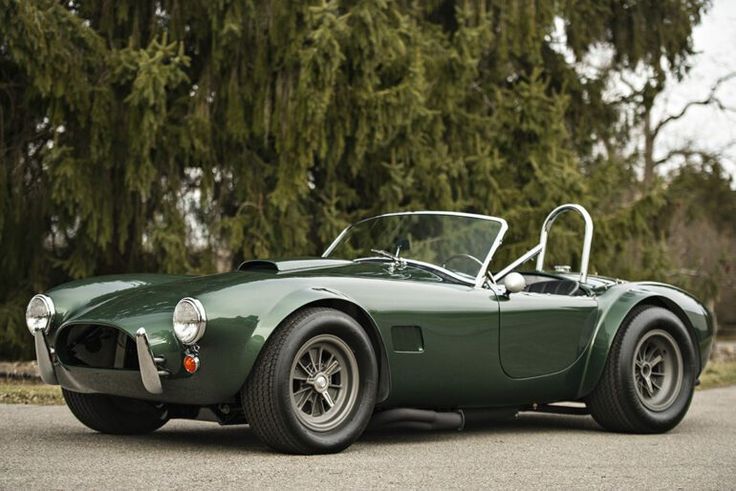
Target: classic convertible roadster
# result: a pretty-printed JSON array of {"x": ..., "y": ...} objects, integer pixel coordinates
[{"x": 404, "y": 320}]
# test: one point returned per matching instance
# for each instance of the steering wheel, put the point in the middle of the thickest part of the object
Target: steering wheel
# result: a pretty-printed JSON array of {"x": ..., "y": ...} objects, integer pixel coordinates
[{"x": 462, "y": 256}]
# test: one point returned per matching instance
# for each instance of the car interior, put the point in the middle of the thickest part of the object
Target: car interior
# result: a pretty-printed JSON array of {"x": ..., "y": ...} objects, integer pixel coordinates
[{"x": 536, "y": 283}]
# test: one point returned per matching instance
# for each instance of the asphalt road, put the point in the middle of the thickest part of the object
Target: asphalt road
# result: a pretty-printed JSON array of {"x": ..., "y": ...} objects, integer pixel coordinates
[{"x": 46, "y": 447}]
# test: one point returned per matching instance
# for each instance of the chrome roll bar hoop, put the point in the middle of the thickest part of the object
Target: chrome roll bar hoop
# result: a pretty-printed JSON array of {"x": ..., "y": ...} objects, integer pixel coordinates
[{"x": 587, "y": 240}]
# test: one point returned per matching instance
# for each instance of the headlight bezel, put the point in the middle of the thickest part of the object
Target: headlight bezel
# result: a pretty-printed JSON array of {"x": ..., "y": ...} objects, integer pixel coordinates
[
  {"x": 47, "y": 318},
  {"x": 183, "y": 327}
]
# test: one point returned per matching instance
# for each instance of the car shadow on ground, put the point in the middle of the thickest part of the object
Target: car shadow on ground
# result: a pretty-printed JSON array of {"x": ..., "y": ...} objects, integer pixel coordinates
[
  {"x": 207, "y": 435},
  {"x": 524, "y": 422},
  {"x": 188, "y": 436}
]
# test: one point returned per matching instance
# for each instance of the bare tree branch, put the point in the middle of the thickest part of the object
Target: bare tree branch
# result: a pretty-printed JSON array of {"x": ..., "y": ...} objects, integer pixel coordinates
[
  {"x": 712, "y": 98},
  {"x": 687, "y": 151},
  {"x": 634, "y": 92}
]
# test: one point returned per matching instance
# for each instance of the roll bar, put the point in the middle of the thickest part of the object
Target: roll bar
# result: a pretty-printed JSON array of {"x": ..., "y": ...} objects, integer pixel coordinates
[
  {"x": 540, "y": 249},
  {"x": 587, "y": 239}
]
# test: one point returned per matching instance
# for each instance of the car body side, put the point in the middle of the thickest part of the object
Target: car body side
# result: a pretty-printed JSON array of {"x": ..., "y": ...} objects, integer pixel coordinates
[{"x": 456, "y": 361}]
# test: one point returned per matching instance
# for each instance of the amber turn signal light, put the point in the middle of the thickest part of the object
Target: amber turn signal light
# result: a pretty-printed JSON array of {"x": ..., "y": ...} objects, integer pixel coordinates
[{"x": 191, "y": 363}]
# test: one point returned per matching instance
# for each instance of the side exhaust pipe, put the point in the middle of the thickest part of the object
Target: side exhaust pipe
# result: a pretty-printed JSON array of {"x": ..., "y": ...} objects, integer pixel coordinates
[
  {"x": 417, "y": 419},
  {"x": 428, "y": 420}
]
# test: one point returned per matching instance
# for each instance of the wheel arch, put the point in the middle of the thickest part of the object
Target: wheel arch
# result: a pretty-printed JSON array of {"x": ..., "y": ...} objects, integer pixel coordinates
[
  {"x": 667, "y": 303},
  {"x": 616, "y": 310},
  {"x": 363, "y": 318},
  {"x": 322, "y": 297}
]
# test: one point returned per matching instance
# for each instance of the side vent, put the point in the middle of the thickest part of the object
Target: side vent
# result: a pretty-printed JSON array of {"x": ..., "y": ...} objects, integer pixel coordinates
[{"x": 407, "y": 339}]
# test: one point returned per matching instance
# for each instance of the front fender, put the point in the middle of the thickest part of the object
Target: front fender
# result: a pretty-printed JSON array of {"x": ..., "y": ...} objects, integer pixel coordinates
[
  {"x": 241, "y": 318},
  {"x": 616, "y": 304},
  {"x": 276, "y": 315}
]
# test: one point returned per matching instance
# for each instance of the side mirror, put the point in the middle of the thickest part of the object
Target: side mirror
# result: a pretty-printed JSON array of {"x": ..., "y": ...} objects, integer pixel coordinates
[{"x": 514, "y": 282}]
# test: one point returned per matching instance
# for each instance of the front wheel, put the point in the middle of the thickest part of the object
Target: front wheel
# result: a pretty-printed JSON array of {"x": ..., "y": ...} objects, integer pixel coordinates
[
  {"x": 648, "y": 381},
  {"x": 313, "y": 388},
  {"x": 115, "y": 415}
]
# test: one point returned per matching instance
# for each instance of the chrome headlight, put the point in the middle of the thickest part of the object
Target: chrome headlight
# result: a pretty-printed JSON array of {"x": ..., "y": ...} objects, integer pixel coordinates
[
  {"x": 39, "y": 313},
  {"x": 189, "y": 320}
]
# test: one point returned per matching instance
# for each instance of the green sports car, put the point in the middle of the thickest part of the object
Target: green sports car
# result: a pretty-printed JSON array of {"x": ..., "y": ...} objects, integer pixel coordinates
[{"x": 404, "y": 321}]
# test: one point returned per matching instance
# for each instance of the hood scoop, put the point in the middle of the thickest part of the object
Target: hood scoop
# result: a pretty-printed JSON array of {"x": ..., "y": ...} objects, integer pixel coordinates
[{"x": 285, "y": 265}]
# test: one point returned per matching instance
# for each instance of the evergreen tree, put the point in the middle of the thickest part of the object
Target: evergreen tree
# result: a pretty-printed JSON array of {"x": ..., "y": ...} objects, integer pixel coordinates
[{"x": 180, "y": 136}]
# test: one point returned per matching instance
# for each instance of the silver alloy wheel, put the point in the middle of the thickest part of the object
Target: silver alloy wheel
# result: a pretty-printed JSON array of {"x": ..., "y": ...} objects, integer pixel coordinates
[
  {"x": 324, "y": 382},
  {"x": 658, "y": 370}
]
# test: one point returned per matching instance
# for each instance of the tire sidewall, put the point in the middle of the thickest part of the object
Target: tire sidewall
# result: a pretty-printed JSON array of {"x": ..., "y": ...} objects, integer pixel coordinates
[
  {"x": 349, "y": 331},
  {"x": 646, "y": 321}
]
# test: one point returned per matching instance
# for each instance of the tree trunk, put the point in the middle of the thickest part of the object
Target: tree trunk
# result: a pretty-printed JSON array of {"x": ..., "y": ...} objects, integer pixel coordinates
[{"x": 649, "y": 164}]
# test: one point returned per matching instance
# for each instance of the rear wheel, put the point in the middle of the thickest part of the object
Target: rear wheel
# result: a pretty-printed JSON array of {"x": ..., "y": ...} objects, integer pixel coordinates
[
  {"x": 115, "y": 415},
  {"x": 313, "y": 388},
  {"x": 648, "y": 381}
]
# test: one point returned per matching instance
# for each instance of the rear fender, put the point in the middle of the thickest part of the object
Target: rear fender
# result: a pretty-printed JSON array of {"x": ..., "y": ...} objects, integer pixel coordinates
[{"x": 616, "y": 304}]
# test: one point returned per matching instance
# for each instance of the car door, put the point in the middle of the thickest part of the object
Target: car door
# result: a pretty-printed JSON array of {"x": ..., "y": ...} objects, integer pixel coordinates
[{"x": 543, "y": 333}]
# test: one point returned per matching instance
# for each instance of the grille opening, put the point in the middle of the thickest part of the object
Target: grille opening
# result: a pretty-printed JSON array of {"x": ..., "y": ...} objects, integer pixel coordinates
[{"x": 95, "y": 346}]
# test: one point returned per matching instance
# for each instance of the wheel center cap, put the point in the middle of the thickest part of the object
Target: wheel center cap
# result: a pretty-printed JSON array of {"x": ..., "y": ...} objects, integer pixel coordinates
[
  {"x": 646, "y": 370},
  {"x": 320, "y": 383}
]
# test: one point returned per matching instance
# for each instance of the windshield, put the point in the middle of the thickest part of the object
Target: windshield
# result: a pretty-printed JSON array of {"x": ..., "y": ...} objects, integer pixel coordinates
[{"x": 459, "y": 243}]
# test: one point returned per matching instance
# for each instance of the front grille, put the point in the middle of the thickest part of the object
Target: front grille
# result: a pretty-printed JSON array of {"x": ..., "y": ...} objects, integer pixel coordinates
[{"x": 96, "y": 346}]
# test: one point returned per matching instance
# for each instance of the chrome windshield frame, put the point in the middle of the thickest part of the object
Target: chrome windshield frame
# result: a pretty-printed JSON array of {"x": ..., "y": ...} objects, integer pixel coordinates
[{"x": 482, "y": 273}]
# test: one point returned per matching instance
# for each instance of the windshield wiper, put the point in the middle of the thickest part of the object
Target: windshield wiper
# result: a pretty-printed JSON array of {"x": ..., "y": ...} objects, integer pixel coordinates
[
  {"x": 398, "y": 260},
  {"x": 400, "y": 263},
  {"x": 383, "y": 253}
]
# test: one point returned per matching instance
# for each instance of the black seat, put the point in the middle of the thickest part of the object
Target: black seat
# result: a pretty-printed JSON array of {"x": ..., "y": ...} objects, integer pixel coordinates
[{"x": 555, "y": 287}]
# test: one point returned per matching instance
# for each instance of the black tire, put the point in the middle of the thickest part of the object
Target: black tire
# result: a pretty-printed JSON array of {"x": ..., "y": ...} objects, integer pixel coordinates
[
  {"x": 616, "y": 403},
  {"x": 268, "y": 395},
  {"x": 115, "y": 415}
]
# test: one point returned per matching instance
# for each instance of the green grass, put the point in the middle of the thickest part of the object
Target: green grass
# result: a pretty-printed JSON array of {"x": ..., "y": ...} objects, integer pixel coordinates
[
  {"x": 717, "y": 374},
  {"x": 29, "y": 392}
]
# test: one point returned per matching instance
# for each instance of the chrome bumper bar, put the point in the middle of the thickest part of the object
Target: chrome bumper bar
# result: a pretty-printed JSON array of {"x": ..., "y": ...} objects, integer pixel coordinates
[
  {"x": 43, "y": 356},
  {"x": 150, "y": 374}
]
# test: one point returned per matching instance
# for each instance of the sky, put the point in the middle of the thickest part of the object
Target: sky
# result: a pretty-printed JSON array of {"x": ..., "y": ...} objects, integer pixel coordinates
[{"x": 707, "y": 127}]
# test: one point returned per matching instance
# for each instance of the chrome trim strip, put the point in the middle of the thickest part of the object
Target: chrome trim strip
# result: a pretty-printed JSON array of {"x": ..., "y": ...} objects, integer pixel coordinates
[
  {"x": 43, "y": 356},
  {"x": 480, "y": 278},
  {"x": 587, "y": 240},
  {"x": 147, "y": 364}
]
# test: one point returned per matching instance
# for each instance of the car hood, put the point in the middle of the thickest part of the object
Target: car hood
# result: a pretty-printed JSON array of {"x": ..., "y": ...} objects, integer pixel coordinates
[{"x": 145, "y": 303}]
